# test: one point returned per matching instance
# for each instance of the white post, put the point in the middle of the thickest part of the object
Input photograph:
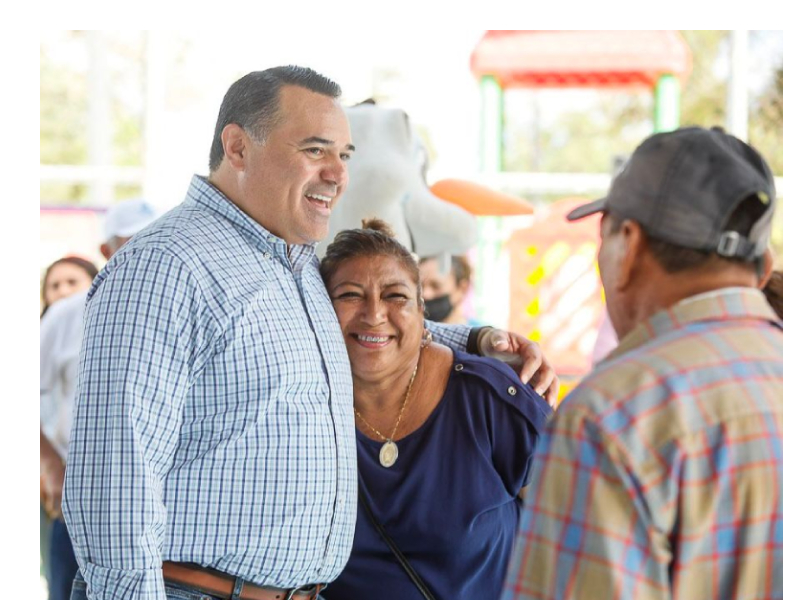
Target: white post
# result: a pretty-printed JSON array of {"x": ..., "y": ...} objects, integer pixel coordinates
[
  {"x": 154, "y": 134},
  {"x": 99, "y": 119},
  {"x": 737, "y": 85}
]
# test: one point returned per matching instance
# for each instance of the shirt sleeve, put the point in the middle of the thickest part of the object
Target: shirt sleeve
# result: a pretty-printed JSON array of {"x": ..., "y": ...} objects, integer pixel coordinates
[
  {"x": 518, "y": 420},
  {"x": 59, "y": 335},
  {"x": 143, "y": 340},
  {"x": 584, "y": 532},
  {"x": 453, "y": 336},
  {"x": 48, "y": 372}
]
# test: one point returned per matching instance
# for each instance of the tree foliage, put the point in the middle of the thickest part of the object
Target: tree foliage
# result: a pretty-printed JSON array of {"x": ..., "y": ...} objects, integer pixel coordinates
[
  {"x": 704, "y": 95},
  {"x": 63, "y": 120},
  {"x": 589, "y": 140},
  {"x": 65, "y": 112}
]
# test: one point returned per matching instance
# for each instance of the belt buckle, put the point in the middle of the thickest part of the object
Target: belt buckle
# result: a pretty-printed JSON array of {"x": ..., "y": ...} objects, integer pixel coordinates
[{"x": 316, "y": 588}]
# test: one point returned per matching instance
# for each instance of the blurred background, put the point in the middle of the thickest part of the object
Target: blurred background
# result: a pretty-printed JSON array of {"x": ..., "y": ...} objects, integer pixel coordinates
[
  {"x": 546, "y": 116},
  {"x": 127, "y": 114}
]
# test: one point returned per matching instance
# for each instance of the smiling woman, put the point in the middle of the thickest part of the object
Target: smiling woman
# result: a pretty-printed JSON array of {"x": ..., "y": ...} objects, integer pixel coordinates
[{"x": 445, "y": 440}]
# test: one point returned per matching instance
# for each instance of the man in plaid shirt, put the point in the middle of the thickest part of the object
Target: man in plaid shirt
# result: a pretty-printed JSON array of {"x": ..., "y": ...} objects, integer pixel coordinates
[{"x": 661, "y": 474}]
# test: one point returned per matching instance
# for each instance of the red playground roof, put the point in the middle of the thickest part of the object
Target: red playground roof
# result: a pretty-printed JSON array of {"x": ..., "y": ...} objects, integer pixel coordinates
[{"x": 594, "y": 59}]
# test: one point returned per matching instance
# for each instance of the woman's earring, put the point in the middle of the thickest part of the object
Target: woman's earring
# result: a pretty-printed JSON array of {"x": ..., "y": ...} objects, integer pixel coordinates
[{"x": 427, "y": 338}]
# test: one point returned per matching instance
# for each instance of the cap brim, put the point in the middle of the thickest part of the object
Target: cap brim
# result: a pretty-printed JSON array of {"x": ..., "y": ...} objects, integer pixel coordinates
[
  {"x": 130, "y": 231},
  {"x": 587, "y": 209}
]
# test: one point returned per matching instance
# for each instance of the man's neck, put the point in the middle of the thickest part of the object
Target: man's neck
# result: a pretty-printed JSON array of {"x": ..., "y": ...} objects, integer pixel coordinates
[
  {"x": 657, "y": 290},
  {"x": 664, "y": 292},
  {"x": 225, "y": 184}
]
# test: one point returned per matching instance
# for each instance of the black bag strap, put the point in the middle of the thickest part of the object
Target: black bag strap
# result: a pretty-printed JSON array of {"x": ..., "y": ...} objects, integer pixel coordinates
[{"x": 412, "y": 574}]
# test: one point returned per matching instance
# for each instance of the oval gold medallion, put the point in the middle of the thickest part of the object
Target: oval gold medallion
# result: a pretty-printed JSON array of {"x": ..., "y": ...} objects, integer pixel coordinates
[{"x": 388, "y": 454}]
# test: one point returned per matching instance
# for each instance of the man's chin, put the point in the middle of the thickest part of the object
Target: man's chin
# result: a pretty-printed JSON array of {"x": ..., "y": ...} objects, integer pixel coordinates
[{"x": 315, "y": 237}]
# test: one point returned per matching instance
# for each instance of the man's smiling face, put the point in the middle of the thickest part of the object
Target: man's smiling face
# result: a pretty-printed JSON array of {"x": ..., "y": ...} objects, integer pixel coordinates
[{"x": 293, "y": 179}]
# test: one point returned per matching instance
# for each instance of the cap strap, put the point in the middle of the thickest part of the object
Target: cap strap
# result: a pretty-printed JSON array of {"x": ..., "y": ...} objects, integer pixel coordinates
[{"x": 733, "y": 244}]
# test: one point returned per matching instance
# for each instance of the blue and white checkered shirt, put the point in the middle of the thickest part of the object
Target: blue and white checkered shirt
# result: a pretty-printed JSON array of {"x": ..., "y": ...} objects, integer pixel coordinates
[{"x": 213, "y": 420}]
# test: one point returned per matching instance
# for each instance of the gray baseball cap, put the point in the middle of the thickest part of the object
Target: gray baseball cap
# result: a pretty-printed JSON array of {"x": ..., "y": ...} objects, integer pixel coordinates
[{"x": 682, "y": 187}]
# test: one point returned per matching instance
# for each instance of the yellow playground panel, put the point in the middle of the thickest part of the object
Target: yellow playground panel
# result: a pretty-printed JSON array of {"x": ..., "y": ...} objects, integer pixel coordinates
[{"x": 556, "y": 297}]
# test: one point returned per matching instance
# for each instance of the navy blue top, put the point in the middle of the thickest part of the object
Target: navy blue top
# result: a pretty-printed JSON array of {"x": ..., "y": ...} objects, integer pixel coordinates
[{"x": 450, "y": 502}]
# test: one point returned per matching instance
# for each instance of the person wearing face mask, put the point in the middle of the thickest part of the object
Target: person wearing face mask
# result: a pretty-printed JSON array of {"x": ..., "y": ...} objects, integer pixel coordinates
[{"x": 444, "y": 288}]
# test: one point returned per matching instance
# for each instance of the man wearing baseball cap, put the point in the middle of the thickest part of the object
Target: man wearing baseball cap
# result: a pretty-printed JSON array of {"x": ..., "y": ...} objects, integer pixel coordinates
[
  {"x": 123, "y": 221},
  {"x": 661, "y": 474},
  {"x": 60, "y": 335}
]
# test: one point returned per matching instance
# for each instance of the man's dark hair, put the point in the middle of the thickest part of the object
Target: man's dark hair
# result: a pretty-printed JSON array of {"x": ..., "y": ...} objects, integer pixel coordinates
[
  {"x": 253, "y": 102},
  {"x": 461, "y": 269},
  {"x": 674, "y": 258},
  {"x": 375, "y": 238},
  {"x": 774, "y": 292}
]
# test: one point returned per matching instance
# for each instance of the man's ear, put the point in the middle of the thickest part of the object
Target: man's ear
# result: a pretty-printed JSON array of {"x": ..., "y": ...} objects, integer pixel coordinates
[
  {"x": 106, "y": 251},
  {"x": 769, "y": 264},
  {"x": 633, "y": 252},
  {"x": 234, "y": 140}
]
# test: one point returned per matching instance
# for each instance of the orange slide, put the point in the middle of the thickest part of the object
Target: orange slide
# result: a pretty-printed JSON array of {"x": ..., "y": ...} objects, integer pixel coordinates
[{"x": 480, "y": 200}]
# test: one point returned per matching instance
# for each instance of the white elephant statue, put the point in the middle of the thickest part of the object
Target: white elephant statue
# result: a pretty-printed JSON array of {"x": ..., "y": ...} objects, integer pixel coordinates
[{"x": 387, "y": 180}]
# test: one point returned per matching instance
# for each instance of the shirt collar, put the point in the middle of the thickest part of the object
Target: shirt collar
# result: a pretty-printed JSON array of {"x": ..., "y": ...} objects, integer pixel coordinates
[
  {"x": 725, "y": 304},
  {"x": 203, "y": 194}
]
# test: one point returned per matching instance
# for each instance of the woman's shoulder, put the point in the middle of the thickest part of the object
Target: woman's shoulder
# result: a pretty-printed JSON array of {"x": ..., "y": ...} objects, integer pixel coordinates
[{"x": 485, "y": 381}]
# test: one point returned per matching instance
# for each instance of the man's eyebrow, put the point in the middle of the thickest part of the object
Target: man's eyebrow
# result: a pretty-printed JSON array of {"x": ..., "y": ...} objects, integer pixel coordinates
[{"x": 318, "y": 140}]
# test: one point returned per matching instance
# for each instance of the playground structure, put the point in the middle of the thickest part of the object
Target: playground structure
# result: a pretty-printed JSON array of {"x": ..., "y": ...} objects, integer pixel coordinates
[{"x": 554, "y": 293}]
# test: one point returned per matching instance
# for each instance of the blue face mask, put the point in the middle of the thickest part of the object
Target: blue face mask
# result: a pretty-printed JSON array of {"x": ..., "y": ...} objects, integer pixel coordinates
[{"x": 438, "y": 309}]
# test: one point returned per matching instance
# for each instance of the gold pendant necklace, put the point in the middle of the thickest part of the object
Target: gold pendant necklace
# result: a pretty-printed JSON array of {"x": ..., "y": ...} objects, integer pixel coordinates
[{"x": 389, "y": 452}]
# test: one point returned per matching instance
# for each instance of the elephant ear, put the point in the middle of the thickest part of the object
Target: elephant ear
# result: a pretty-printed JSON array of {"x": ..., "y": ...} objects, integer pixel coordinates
[
  {"x": 437, "y": 226},
  {"x": 387, "y": 181}
]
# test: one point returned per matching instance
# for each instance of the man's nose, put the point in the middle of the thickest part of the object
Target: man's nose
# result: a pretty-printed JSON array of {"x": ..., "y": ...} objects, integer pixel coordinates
[{"x": 335, "y": 172}]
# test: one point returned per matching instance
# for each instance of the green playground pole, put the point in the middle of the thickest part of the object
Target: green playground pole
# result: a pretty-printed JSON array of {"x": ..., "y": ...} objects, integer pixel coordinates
[
  {"x": 491, "y": 151},
  {"x": 489, "y": 228},
  {"x": 667, "y": 110}
]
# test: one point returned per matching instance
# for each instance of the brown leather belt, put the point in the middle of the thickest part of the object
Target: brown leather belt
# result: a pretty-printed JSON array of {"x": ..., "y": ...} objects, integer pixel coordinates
[{"x": 221, "y": 584}]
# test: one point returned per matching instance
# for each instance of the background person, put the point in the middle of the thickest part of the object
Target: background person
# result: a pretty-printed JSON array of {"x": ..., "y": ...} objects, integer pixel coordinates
[
  {"x": 661, "y": 473},
  {"x": 60, "y": 335},
  {"x": 445, "y": 440},
  {"x": 62, "y": 278},
  {"x": 214, "y": 376},
  {"x": 65, "y": 277},
  {"x": 445, "y": 292}
]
